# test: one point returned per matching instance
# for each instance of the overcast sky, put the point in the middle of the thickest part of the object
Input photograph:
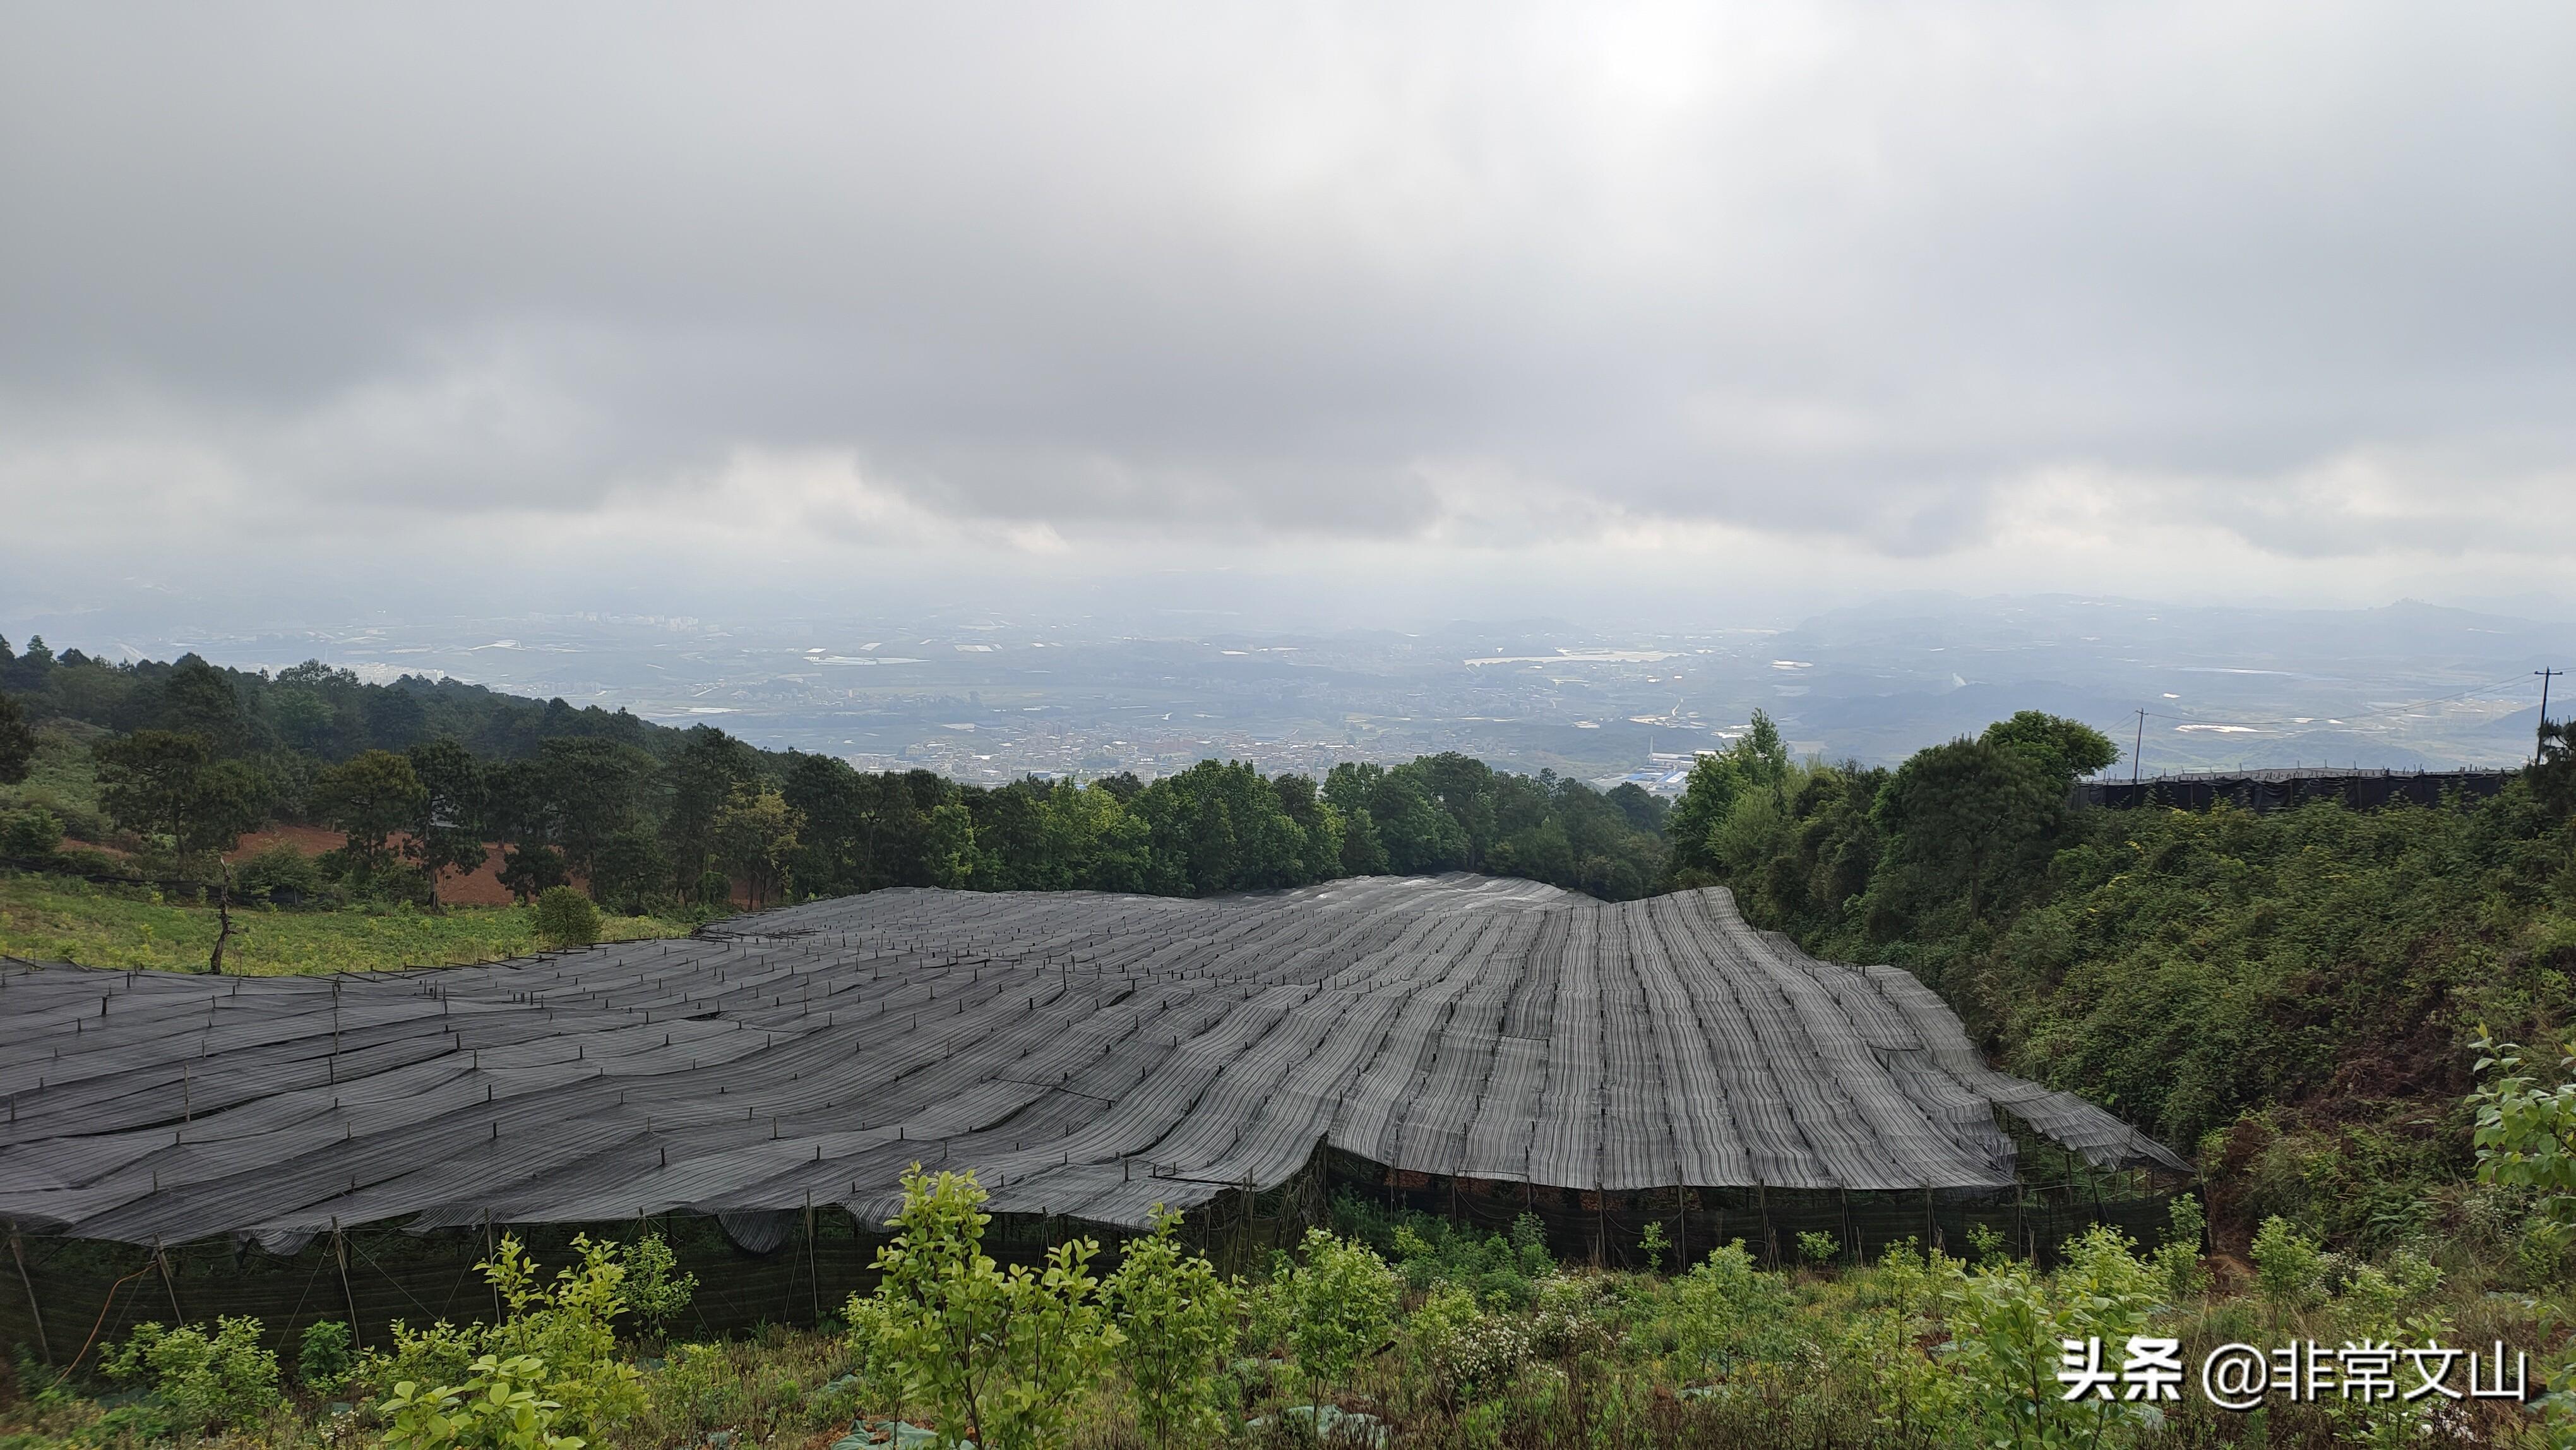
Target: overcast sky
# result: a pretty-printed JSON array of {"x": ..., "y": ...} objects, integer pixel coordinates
[{"x": 1481, "y": 307}]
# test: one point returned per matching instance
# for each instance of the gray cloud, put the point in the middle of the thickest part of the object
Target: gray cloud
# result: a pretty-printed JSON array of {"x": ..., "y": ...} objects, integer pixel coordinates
[{"x": 1876, "y": 281}]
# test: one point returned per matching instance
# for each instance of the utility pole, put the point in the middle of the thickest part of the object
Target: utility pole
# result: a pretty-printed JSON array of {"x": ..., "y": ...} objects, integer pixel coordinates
[
  {"x": 2540, "y": 739},
  {"x": 2142, "y": 743}
]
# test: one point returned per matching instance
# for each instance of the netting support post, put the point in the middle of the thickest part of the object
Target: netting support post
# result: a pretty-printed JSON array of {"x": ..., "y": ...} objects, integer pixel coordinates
[
  {"x": 813, "y": 1263},
  {"x": 1681, "y": 1209},
  {"x": 34, "y": 1308},
  {"x": 1601, "y": 1222},
  {"x": 349, "y": 1296},
  {"x": 161, "y": 1261}
]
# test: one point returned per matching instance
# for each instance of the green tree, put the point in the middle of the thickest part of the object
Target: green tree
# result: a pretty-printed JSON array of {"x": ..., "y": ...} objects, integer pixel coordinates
[
  {"x": 1959, "y": 815},
  {"x": 630, "y": 872},
  {"x": 2553, "y": 776},
  {"x": 701, "y": 778},
  {"x": 528, "y": 871},
  {"x": 17, "y": 743},
  {"x": 756, "y": 839},
  {"x": 1339, "y": 1299},
  {"x": 198, "y": 699},
  {"x": 1730, "y": 1311},
  {"x": 652, "y": 1290},
  {"x": 590, "y": 788},
  {"x": 2064, "y": 750},
  {"x": 370, "y": 798},
  {"x": 1756, "y": 759},
  {"x": 446, "y": 834},
  {"x": 1406, "y": 832},
  {"x": 1176, "y": 1318},
  {"x": 997, "y": 1356},
  {"x": 166, "y": 786},
  {"x": 566, "y": 918},
  {"x": 948, "y": 847}
]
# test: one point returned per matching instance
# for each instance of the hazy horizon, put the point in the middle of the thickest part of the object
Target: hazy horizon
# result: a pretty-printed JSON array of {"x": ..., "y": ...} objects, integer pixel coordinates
[{"x": 985, "y": 695}]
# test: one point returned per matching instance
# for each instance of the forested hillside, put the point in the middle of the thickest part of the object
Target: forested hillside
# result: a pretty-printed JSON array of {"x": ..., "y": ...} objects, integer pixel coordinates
[
  {"x": 172, "y": 762},
  {"x": 2294, "y": 995}
]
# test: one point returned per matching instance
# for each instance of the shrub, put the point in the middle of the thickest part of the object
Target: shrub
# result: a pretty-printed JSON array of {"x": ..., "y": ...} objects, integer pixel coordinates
[
  {"x": 1339, "y": 1304},
  {"x": 437, "y": 1355},
  {"x": 205, "y": 1381},
  {"x": 30, "y": 835},
  {"x": 1986, "y": 1243},
  {"x": 2177, "y": 1259},
  {"x": 1728, "y": 1311},
  {"x": 998, "y": 1356},
  {"x": 1818, "y": 1249},
  {"x": 1176, "y": 1319},
  {"x": 1465, "y": 1353},
  {"x": 565, "y": 1327},
  {"x": 322, "y": 1357},
  {"x": 569, "y": 1326},
  {"x": 496, "y": 1408},
  {"x": 280, "y": 866},
  {"x": 1652, "y": 1244},
  {"x": 566, "y": 918},
  {"x": 1429, "y": 1250},
  {"x": 652, "y": 1292},
  {"x": 2289, "y": 1267}
]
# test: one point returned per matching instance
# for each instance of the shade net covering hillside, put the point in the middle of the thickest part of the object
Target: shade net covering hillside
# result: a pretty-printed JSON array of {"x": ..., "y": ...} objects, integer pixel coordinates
[{"x": 1090, "y": 1056}]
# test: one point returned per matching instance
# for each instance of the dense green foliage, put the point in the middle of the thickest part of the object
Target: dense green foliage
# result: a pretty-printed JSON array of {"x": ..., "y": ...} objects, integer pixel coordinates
[
  {"x": 423, "y": 777},
  {"x": 1919, "y": 1349},
  {"x": 2292, "y": 994}
]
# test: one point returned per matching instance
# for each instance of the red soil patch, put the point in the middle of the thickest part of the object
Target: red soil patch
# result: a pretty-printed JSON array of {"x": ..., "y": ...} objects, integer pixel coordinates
[{"x": 481, "y": 887}]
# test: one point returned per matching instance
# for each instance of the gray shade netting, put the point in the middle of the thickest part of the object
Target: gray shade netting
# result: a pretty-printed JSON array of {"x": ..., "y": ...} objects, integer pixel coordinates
[{"x": 1090, "y": 1056}]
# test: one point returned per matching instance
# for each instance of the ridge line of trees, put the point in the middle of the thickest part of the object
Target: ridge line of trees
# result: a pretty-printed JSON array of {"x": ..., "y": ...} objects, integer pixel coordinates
[{"x": 424, "y": 778}]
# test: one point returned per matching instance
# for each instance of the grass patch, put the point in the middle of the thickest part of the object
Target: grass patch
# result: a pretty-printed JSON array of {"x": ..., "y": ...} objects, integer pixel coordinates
[{"x": 65, "y": 919}]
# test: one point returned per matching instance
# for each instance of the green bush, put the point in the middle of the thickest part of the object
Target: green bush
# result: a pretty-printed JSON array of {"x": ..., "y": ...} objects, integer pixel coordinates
[
  {"x": 998, "y": 1355},
  {"x": 206, "y": 1382},
  {"x": 1730, "y": 1313},
  {"x": 281, "y": 865},
  {"x": 33, "y": 834},
  {"x": 566, "y": 918},
  {"x": 1466, "y": 1352},
  {"x": 2177, "y": 1259},
  {"x": 1176, "y": 1319},
  {"x": 1337, "y": 1303},
  {"x": 569, "y": 1325},
  {"x": 437, "y": 1355},
  {"x": 652, "y": 1292},
  {"x": 496, "y": 1408},
  {"x": 2289, "y": 1267},
  {"x": 565, "y": 1326},
  {"x": 323, "y": 1359}
]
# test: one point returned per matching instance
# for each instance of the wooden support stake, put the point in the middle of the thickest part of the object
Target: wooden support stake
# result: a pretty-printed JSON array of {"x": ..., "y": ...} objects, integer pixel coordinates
[
  {"x": 34, "y": 1307},
  {"x": 349, "y": 1296},
  {"x": 161, "y": 1261}
]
